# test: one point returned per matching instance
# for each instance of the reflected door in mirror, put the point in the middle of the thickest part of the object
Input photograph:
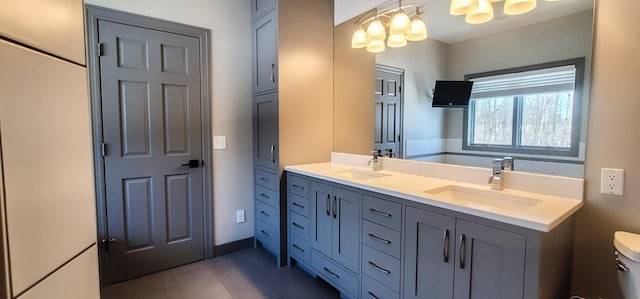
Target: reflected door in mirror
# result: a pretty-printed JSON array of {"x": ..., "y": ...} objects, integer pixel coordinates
[{"x": 388, "y": 111}]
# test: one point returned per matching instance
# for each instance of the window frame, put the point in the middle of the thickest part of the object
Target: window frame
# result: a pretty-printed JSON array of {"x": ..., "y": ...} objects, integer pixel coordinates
[{"x": 516, "y": 147}]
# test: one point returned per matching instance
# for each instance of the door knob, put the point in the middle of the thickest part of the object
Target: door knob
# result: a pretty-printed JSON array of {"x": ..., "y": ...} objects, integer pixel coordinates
[
  {"x": 107, "y": 242},
  {"x": 193, "y": 164}
]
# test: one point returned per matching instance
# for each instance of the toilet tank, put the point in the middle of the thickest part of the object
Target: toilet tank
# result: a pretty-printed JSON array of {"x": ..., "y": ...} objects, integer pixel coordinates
[{"x": 628, "y": 259}]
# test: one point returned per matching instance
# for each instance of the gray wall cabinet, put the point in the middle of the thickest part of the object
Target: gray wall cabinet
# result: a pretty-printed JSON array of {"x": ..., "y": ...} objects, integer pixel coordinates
[
  {"x": 265, "y": 111},
  {"x": 396, "y": 248},
  {"x": 265, "y": 52}
]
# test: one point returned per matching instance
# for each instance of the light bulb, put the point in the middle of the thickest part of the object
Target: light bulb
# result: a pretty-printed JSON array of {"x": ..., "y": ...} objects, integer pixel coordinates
[
  {"x": 376, "y": 31},
  {"x": 418, "y": 30},
  {"x": 359, "y": 39},
  {"x": 400, "y": 23},
  {"x": 461, "y": 7},
  {"x": 396, "y": 41},
  {"x": 375, "y": 46},
  {"x": 517, "y": 7},
  {"x": 482, "y": 14}
]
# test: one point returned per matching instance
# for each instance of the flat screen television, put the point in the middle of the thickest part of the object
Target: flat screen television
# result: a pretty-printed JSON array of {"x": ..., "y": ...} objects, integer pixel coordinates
[{"x": 452, "y": 93}]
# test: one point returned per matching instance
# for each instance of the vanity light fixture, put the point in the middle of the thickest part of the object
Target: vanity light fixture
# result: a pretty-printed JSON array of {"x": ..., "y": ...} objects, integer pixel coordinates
[
  {"x": 481, "y": 11},
  {"x": 401, "y": 26}
]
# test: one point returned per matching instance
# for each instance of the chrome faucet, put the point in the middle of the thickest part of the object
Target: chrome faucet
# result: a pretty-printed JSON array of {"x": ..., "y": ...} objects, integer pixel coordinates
[
  {"x": 377, "y": 164},
  {"x": 497, "y": 166}
]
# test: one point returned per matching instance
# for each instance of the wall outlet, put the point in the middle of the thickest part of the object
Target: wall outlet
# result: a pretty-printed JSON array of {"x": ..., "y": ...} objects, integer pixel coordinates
[
  {"x": 219, "y": 142},
  {"x": 240, "y": 216},
  {"x": 612, "y": 181}
]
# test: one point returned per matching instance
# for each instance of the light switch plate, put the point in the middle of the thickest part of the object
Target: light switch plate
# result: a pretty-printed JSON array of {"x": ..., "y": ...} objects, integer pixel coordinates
[
  {"x": 612, "y": 181},
  {"x": 219, "y": 142},
  {"x": 240, "y": 216}
]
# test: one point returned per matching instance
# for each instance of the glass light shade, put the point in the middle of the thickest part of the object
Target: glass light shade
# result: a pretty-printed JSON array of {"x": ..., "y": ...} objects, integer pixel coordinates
[
  {"x": 400, "y": 23},
  {"x": 482, "y": 14},
  {"x": 375, "y": 46},
  {"x": 376, "y": 31},
  {"x": 396, "y": 41},
  {"x": 461, "y": 7},
  {"x": 517, "y": 7},
  {"x": 359, "y": 39},
  {"x": 418, "y": 30}
]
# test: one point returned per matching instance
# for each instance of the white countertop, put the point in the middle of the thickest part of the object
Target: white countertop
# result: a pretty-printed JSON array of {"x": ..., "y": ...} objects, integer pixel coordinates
[{"x": 546, "y": 212}]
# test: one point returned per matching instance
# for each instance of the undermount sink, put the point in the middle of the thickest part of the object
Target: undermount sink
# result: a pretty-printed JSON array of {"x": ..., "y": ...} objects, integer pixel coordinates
[
  {"x": 360, "y": 174},
  {"x": 484, "y": 198}
]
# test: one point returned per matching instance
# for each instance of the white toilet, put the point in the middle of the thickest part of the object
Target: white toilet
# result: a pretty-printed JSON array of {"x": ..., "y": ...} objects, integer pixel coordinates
[{"x": 628, "y": 259}]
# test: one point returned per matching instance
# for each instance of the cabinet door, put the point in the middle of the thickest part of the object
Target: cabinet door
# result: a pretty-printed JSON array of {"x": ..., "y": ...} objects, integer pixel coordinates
[
  {"x": 260, "y": 7},
  {"x": 264, "y": 53},
  {"x": 489, "y": 262},
  {"x": 321, "y": 218},
  {"x": 429, "y": 256},
  {"x": 265, "y": 130},
  {"x": 346, "y": 228}
]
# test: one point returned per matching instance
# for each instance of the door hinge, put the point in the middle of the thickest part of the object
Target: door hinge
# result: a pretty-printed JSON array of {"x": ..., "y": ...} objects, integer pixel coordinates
[
  {"x": 103, "y": 149},
  {"x": 100, "y": 49}
]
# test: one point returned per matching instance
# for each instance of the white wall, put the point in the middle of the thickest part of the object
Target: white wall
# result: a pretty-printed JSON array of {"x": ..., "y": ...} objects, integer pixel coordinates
[
  {"x": 230, "y": 25},
  {"x": 347, "y": 9}
]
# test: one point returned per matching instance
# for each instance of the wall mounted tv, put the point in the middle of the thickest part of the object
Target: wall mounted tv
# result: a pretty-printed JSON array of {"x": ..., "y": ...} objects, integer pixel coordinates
[{"x": 452, "y": 93}]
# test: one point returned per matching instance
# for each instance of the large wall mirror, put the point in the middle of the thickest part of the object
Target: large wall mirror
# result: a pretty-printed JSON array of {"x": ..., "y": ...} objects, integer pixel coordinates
[{"x": 557, "y": 35}]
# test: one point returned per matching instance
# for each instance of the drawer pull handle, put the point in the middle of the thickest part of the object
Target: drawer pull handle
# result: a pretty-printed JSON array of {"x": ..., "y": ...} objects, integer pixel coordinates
[
  {"x": 265, "y": 213},
  {"x": 331, "y": 273},
  {"x": 328, "y": 205},
  {"x": 264, "y": 195},
  {"x": 372, "y": 296},
  {"x": 264, "y": 180},
  {"x": 266, "y": 233},
  {"x": 380, "y": 212},
  {"x": 463, "y": 247},
  {"x": 381, "y": 240},
  {"x": 298, "y": 186},
  {"x": 383, "y": 270},
  {"x": 297, "y": 225},
  {"x": 446, "y": 246},
  {"x": 297, "y": 205},
  {"x": 297, "y": 247}
]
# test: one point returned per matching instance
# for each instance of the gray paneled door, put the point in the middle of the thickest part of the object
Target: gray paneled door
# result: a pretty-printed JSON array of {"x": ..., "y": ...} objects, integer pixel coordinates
[
  {"x": 388, "y": 110},
  {"x": 150, "y": 85}
]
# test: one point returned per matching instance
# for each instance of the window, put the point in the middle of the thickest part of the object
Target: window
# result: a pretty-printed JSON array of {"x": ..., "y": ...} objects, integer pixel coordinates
[{"x": 530, "y": 110}]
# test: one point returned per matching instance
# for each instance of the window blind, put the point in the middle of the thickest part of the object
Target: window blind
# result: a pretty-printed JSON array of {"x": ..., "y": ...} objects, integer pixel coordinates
[{"x": 528, "y": 82}]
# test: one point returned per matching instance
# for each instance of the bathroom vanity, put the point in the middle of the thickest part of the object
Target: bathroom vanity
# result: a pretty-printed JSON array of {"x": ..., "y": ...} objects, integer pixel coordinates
[{"x": 423, "y": 230}]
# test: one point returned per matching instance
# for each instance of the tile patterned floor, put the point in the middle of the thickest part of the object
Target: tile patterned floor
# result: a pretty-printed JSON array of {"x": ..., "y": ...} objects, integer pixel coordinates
[{"x": 247, "y": 274}]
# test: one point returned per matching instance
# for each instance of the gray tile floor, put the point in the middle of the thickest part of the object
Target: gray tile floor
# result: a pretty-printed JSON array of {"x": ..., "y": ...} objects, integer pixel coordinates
[{"x": 247, "y": 274}]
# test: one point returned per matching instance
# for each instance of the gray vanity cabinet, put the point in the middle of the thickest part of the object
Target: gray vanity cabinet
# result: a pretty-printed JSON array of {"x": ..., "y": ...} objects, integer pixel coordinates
[
  {"x": 454, "y": 258},
  {"x": 335, "y": 224}
]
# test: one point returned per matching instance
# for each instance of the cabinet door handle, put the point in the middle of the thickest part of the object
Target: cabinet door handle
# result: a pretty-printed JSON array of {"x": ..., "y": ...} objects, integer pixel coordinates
[
  {"x": 264, "y": 195},
  {"x": 383, "y": 270},
  {"x": 380, "y": 212},
  {"x": 272, "y": 150},
  {"x": 331, "y": 273},
  {"x": 445, "y": 246},
  {"x": 297, "y": 247},
  {"x": 273, "y": 73},
  {"x": 297, "y": 186},
  {"x": 297, "y": 205},
  {"x": 335, "y": 207},
  {"x": 372, "y": 296},
  {"x": 463, "y": 247},
  {"x": 297, "y": 225},
  {"x": 328, "y": 205},
  {"x": 381, "y": 240},
  {"x": 265, "y": 213}
]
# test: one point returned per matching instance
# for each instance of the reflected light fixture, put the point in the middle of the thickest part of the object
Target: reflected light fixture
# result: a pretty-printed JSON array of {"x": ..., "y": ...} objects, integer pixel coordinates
[
  {"x": 481, "y": 11},
  {"x": 402, "y": 27}
]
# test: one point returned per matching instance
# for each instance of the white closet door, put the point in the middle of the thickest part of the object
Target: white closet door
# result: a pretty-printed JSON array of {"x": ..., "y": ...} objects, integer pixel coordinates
[
  {"x": 53, "y": 26},
  {"x": 47, "y": 158}
]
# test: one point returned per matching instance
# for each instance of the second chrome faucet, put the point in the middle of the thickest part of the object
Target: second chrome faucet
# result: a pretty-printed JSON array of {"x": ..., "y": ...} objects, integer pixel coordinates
[{"x": 497, "y": 166}]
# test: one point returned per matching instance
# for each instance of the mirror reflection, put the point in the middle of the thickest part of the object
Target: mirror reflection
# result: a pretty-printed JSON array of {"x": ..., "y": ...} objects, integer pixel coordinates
[{"x": 533, "y": 72}]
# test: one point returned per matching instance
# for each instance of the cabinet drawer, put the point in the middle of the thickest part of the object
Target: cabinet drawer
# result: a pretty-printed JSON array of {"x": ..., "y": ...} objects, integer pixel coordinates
[
  {"x": 300, "y": 250},
  {"x": 268, "y": 235},
  {"x": 299, "y": 204},
  {"x": 268, "y": 196},
  {"x": 299, "y": 225},
  {"x": 381, "y": 238},
  {"x": 267, "y": 179},
  {"x": 381, "y": 267},
  {"x": 371, "y": 289},
  {"x": 334, "y": 274},
  {"x": 267, "y": 213},
  {"x": 298, "y": 186},
  {"x": 382, "y": 212}
]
